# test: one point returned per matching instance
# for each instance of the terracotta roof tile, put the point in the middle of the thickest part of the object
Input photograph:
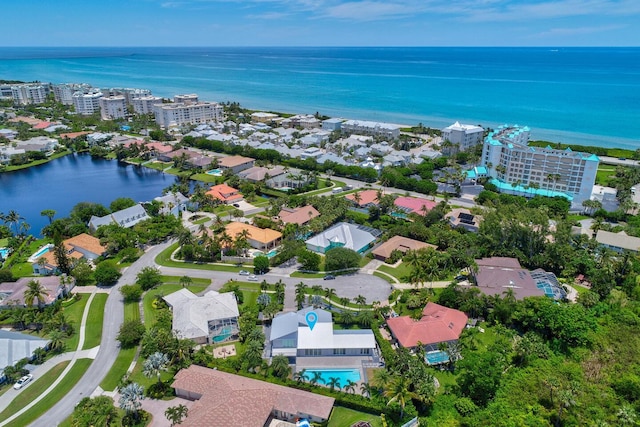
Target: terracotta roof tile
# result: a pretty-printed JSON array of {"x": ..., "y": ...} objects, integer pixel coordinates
[
  {"x": 402, "y": 244},
  {"x": 232, "y": 400},
  {"x": 438, "y": 324}
]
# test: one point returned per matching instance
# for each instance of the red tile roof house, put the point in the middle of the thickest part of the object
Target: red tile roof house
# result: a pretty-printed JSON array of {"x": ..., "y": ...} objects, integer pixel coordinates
[
  {"x": 367, "y": 198},
  {"x": 225, "y": 193},
  {"x": 414, "y": 205},
  {"x": 438, "y": 324},
  {"x": 227, "y": 400},
  {"x": 300, "y": 216},
  {"x": 12, "y": 293}
]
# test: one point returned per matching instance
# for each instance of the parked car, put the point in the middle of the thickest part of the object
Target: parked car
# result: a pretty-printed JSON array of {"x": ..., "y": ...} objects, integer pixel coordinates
[
  {"x": 253, "y": 278},
  {"x": 244, "y": 273},
  {"x": 236, "y": 205},
  {"x": 329, "y": 277},
  {"x": 460, "y": 278},
  {"x": 23, "y": 381}
]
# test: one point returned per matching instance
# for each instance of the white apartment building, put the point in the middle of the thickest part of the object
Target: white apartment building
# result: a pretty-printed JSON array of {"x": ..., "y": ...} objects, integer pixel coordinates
[
  {"x": 177, "y": 114},
  {"x": 87, "y": 103},
  {"x": 128, "y": 93},
  {"x": 63, "y": 92},
  {"x": 520, "y": 169},
  {"x": 360, "y": 127},
  {"x": 462, "y": 137},
  {"x": 29, "y": 94},
  {"x": 113, "y": 107},
  {"x": 186, "y": 99},
  {"x": 144, "y": 104}
]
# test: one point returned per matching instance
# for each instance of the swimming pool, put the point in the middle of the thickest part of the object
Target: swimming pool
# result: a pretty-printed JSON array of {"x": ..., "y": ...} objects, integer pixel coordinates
[
  {"x": 4, "y": 253},
  {"x": 43, "y": 250},
  {"x": 224, "y": 334},
  {"x": 215, "y": 172},
  {"x": 343, "y": 375},
  {"x": 436, "y": 357}
]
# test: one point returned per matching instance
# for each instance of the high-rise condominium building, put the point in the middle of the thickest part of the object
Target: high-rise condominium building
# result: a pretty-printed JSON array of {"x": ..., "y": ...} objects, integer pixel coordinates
[
  {"x": 517, "y": 168},
  {"x": 461, "y": 137},
  {"x": 87, "y": 103},
  {"x": 29, "y": 94},
  {"x": 113, "y": 107},
  {"x": 177, "y": 114}
]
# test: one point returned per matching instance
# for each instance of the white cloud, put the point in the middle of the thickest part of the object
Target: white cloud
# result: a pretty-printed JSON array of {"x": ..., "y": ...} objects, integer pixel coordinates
[{"x": 571, "y": 31}]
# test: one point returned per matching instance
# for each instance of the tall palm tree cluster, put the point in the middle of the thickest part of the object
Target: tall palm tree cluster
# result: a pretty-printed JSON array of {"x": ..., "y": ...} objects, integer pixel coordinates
[{"x": 16, "y": 223}]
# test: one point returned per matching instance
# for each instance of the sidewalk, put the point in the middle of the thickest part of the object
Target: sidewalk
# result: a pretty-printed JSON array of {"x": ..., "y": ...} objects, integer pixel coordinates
[{"x": 11, "y": 394}]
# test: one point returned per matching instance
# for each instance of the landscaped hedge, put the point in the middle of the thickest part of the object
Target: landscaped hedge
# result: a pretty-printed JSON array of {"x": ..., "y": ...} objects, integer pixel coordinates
[{"x": 386, "y": 350}]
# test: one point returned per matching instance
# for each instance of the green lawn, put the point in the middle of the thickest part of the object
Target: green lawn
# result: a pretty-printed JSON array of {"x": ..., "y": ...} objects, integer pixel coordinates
[
  {"x": 201, "y": 220},
  {"x": 52, "y": 398},
  {"x": 93, "y": 331},
  {"x": 164, "y": 259},
  {"x": 4, "y": 242},
  {"x": 194, "y": 280},
  {"x": 604, "y": 174},
  {"x": 165, "y": 289},
  {"x": 401, "y": 272},
  {"x": 205, "y": 177},
  {"x": 341, "y": 417},
  {"x": 383, "y": 276},
  {"x": 138, "y": 377},
  {"x": 302, "y": 275},
  {"x": 41, "y": 384},
  {"x": 131, "y": 311},
  {"x": 73, "y": 313},
  {"x": 119, "y": 368}
]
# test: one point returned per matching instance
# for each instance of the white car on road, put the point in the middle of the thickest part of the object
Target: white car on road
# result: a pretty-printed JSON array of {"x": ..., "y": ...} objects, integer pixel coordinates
[{"x": 23, "y": 381}]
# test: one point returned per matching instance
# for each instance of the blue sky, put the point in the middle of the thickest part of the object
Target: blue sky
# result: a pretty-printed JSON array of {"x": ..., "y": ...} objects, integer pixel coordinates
[{"x": 321, "y": 23}]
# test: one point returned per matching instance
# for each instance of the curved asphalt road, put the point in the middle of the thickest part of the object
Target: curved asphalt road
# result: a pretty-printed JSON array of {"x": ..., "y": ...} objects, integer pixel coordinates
[
  {"x": 109, "y": 347},
  {"x": 372, "y": 287}
]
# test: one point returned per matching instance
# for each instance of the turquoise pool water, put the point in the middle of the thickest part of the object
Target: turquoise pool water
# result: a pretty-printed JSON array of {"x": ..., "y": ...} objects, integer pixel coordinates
[
  {"x": 224, "y": 334},
  {"x": 437, "y": 357},
  {"x": 4, "y": 252},
  {"x": 215, "y": 172},
  {"x": 342, "y": 374},
  {"x": 41, "y": 252}
]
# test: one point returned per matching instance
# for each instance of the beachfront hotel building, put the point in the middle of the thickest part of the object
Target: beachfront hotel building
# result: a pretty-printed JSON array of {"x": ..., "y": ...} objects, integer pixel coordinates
[
  {"x": 29, "y": 94},
  {"x": 363, "y": 127},
  {"x": 177, "y": 114},
  {"x": 462, "y": 137},
  {"x": 87, "y": 103},
  {"x": 113, "y": 107},
  {"x": 191, "y": 98},
  {"x": 516, "y": 168}
]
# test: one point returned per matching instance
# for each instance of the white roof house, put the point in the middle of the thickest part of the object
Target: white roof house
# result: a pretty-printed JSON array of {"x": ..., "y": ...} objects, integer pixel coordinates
[
  {"x": 195, "y": 317},
  {"x": 342, "y": 234},
  {"x": 15, "y": 346},
  {"x": 292, "y": 336},
  {"x": 126, "y": 218}
]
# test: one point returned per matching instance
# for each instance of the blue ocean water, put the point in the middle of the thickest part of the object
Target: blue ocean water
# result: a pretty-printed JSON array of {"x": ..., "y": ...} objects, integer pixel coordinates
[{"x": 587, "y": 96}]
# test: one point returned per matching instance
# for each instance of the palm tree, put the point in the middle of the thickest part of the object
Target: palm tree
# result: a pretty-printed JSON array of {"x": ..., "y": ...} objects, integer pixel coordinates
[
  {"x": 131, "y": 397},
  {"x": 316, "y": 378},
  {"x": 398, "y": 391},
  {"x": 186, "y": 281},
  {"x": 49, "y": 213},
  {"x": 333, "y": 383},
  {"x": 301, "y": 376},
  {"x": 329, "y": 293},
  {"x": 344, "y": 301},
  {"x": 175, "y": 414},
  {"x": 346, "y": 317},
  {"x": 357, "y": 198},
  {"x": 13, "y": 218},
  {"x": 56, "y": 340},
  {"x": 155, "y": 364},
  {"x": 35, "y": 291},
  {"x": 365, "y": 318},
  {"x": 361, "y": 300},
  {"x": 351, "y": 386},
  {"x": 280, "y": 366}
]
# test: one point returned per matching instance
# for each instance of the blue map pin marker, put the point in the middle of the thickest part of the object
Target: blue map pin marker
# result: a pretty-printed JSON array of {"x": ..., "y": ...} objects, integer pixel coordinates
[{"x": 311, "y": 319}]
